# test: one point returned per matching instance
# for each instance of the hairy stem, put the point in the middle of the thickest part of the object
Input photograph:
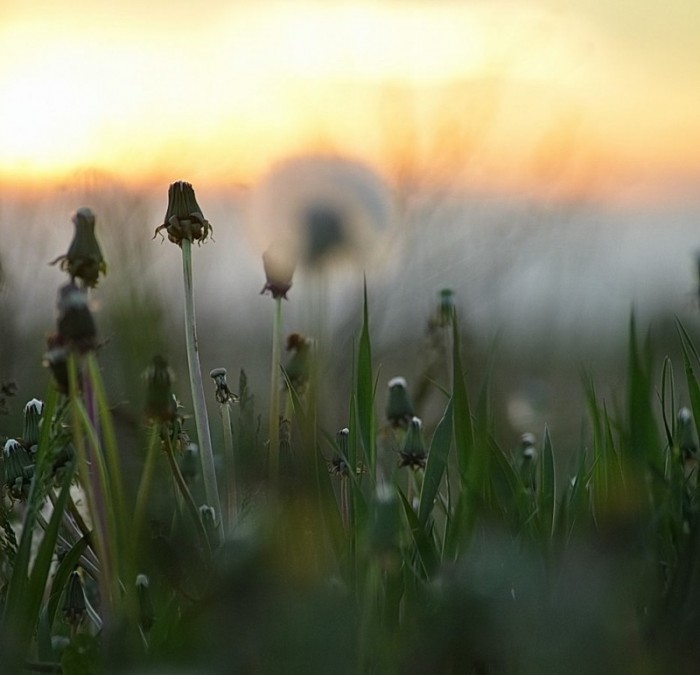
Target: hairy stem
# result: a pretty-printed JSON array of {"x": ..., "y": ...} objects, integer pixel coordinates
[{"x": 206, "y": 452}]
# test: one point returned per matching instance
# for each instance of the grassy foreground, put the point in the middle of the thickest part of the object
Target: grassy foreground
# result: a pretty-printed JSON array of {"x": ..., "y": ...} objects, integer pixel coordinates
[{"x": 389, "y": 546}]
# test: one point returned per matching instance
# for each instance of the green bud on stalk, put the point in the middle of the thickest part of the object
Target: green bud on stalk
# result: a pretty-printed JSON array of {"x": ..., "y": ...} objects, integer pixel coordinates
[{"x": 84, "y": 259}]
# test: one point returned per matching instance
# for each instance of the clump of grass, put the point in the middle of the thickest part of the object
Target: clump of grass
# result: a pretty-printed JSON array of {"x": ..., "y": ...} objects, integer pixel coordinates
[{"x": 395, "y": 545}]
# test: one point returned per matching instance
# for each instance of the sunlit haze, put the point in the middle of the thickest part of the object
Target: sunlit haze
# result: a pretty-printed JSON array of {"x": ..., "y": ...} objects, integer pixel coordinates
[{"x": 497, "y": 94}]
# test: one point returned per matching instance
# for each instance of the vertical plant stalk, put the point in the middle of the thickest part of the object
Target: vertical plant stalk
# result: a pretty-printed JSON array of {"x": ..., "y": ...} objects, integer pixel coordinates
[
  {"x": 274, "y": 451},
  {"x": 89, "y": 465},
  {"x": 146, "y": 479},
  {"x": 206, "y": 452},
  {"x": 229, "y": 459}
]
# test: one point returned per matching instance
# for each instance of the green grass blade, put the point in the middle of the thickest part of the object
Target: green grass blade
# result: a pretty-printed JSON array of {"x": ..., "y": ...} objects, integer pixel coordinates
[
  {"x": 364, "y": 394},
  {"x": 462, "y": 416},
  {"x": 436, "y": 464},
  {"x": 692, "y": 382},
  {"x": 547, "y": 495}
]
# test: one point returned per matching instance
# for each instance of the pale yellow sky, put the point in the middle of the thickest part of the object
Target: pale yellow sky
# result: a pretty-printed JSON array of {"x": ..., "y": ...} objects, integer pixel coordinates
[{"x": 583, "y": 94}]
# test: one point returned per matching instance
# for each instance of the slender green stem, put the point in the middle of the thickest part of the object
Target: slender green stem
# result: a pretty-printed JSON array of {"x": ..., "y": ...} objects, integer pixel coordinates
[
  {"x": 206, "y": 452},
  {"x": 186, "y": 494},
  {"x": 146, "y": 479},
  {"x": 89, "y": 468},
  {"x": 229, "y": 458},
  {"x": 274, "y": 453}
]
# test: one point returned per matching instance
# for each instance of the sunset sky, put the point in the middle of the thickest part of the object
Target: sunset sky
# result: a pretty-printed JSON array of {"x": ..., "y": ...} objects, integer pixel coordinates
[{"x": 584, "y": 94}]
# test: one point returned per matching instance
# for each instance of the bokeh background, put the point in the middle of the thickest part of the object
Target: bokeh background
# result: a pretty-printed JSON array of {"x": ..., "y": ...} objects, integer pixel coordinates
[{"x": 539, "y": 157}]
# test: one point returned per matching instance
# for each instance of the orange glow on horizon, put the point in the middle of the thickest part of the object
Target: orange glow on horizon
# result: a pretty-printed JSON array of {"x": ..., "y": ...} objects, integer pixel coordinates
[{"x": 475, "y": 94}]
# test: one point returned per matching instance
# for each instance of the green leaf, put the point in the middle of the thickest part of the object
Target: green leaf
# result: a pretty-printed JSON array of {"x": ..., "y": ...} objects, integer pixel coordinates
[
  {"x": 462, "y": 416},
  {"x": 436, "y": 464},
  {"x": 547, "y": 495},
  {"x": 364, "y": 394}
]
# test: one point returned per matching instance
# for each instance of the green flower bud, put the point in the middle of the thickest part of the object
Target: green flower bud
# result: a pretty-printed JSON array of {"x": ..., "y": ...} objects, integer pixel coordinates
[
  {"x": 19, "y": 468},
  {"x": 208, "y": 516},
  {"x": 684, "y": 432},
  {"x": 339, "y": 465},
  {"x": 527, "y": 460},
  {"x": 75, "y": 321},
  {"x": 56, "y": 359},
  {"x": 386, "y": 525},
  {"x": 399, "y": 409},
  {"x": 32, "y": 420},
  {"x": 146, "y": 612},
  {"x": 446, "y": 309},
  {"x": 298, "y": 366},
  {"x": 84, "y": 258},
  {"x": 184, "y": 218},
  {"x": 74, "y": 607},
  {"x": 190, "y": 463},
  {"x": 413, "y": 452},
  {"x": 160, "y": 400}
]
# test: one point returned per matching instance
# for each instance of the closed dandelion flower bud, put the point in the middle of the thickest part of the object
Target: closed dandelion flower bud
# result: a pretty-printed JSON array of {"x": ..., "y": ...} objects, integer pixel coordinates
[
  {"x": 84, "y": 258},
  {"x": 75, "y": 321},
  {"x": 208, "y": 516},
  {"x": 146, "y": 612},
  {"x": 160, "y": 401},
  {"x": 299, "y": 364},
  {"x": 56, "y": 359},
  {"x": 74, "y": 607},
  {"x": 446, "y": 310},
  {"x": 32, "y": 420},
  {"x": 184, "y": 218},
  {"x": 18, "y": 468},
  {"x": 189, "y": 463},
  {"x": 339, "y": 465},
  {"x": 279, "y": 264},
  {"x": 399, "y": 409},
  {"x": 684, "y": 431},
  {"x": 385, "y": 524},
  {"x": 413, "y": 452},
  {"x": 527, "y": 460}
]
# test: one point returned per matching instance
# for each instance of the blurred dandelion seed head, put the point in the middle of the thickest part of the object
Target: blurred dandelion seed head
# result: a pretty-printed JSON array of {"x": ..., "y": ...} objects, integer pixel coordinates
[{"x": 322, "y": 212}]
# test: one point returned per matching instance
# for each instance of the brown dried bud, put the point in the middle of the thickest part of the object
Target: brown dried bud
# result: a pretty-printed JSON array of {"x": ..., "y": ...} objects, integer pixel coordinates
[{"x": 184, "y": 218}]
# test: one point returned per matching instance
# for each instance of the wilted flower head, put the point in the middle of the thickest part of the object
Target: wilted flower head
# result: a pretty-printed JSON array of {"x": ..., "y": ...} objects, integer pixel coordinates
[
  {"x": 399, "y": 409},
  {"x": 160, "y": 400},
  {"x": 223, "y": 393},
  {"x": 84, "y": 258},
  {"x": 76, "y": 324},
  {"x": 184, "y": 218}
]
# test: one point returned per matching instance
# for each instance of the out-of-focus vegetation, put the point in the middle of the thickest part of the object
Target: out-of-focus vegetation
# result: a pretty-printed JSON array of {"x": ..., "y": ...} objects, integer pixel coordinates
[{"x": 405, "y": 538}]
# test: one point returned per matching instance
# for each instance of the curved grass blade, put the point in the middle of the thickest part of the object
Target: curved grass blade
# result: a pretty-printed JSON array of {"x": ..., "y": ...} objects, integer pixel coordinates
[{"x": 436, "y": 464}]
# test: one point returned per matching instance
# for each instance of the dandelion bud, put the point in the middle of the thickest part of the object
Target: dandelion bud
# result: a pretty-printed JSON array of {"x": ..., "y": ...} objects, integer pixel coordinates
[
  {"x": 56, "y": 359},
  {"x": 160, "y": 400},
  {"x": 84, "y": 258},
  {"x": 413, "y": 452},
  {"x": 527, "y": 460},
  {"x": 279, "y": 267},
  {"x": 184, "y": 218},
  {"x": 223, "y": 393},
  {"x": 32, "y": 419},
  {"x": 75, "y": 321},
  {"x": 298, "y": 366},
  {"x": 399, "y": 409},
  {"x": 190, "y": 463},
  {"x": 18, "y": 468},
  {"x": 208, "y": 516},
  {"x": 339, "y": 465},
  {"x": 385, "y": 525},
  {"x": 446, "y": 310},
  {"x": 146, "y": 613},
  {"x": 686, "y": 439},
  {"x": 74, "y": 607}
]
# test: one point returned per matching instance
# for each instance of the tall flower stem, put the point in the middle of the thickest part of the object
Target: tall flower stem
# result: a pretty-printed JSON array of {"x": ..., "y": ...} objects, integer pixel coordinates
[
  {"x": 274, "y": 454},
  {"x": 229, "y": 460},
  {"x": 200, "y": 409}
]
